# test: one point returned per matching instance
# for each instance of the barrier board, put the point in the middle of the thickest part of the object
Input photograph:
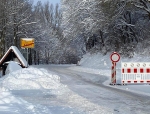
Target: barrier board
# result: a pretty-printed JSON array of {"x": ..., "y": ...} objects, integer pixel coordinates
[{"x": 135, "y": 72}]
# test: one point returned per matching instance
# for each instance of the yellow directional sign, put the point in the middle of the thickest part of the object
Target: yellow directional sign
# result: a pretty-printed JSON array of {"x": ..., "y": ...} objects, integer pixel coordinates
[{"x": 27, "y": 42}]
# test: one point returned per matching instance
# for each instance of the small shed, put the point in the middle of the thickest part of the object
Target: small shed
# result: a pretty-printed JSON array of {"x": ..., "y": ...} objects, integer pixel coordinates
[{"x": 13, "y": 54}]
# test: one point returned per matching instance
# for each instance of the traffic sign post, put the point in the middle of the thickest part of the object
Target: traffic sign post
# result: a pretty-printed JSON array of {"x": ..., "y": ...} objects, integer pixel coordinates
[
  {"x": 27, "y": 55},
  {"x": 115, "y": 57},
  {"x": 27, "y": 43}
]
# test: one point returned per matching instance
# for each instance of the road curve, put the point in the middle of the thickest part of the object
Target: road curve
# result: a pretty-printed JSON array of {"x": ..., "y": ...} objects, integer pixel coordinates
[{"x": 121, "y": 101}]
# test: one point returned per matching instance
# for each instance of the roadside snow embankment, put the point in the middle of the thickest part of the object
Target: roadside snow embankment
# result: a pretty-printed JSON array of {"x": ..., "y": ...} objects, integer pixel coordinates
[
  {"x": 26, "y": 79},
  {"x": 12, "y": 66},
  {"x": 31, "y": 78},
  {"x": 94, "y": 64},
  {"x": 52, "y": 94},
  {"x": 96, "y": 61}
]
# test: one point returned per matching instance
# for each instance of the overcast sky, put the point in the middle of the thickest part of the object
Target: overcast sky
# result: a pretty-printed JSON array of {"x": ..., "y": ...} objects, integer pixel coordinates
[{"x": 50, "y": 1}]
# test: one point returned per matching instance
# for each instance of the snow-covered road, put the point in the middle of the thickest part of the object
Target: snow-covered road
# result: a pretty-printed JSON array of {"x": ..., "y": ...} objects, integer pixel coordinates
[
  {"x": 91, "y": 97},
  {"x": 68, "y": 89}
]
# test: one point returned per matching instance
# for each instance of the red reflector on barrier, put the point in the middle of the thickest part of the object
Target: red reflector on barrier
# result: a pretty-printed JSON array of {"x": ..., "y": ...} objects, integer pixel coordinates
[
  {"x": 135, "y": 70},
  {"x": 148, "y": 70},
  {"x": 128, "y": 70},
  {"x": 129, "y": 81},
  {"x": 122, "y": 70},
  {"x": 141, "y": 70}
]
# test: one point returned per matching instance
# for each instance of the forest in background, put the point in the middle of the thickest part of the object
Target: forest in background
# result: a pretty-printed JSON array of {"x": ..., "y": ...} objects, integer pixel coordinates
[{"x": 64, "y": 32}]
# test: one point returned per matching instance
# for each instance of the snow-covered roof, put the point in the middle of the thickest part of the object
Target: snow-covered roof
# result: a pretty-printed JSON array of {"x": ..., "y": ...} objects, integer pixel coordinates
[{"x": 18, "y": 54}]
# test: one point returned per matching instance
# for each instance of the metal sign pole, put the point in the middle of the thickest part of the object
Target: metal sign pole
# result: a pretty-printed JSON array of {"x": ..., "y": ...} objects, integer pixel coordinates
[
  {"x": 27, "y": 43},
  {"x": 113, "y": 74},
  {"x": 27, "y": 56}
]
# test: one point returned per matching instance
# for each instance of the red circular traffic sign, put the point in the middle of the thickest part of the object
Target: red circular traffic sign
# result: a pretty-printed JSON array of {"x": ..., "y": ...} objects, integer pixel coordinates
[{"x": 115, "y": 57}]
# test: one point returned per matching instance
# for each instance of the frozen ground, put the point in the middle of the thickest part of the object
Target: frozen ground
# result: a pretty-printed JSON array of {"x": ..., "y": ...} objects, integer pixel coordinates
[{"x": 71, "y": 89}]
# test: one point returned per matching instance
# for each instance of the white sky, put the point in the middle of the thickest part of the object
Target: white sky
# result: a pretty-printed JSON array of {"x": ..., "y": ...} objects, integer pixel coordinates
[{"x": 51, "y": 1}]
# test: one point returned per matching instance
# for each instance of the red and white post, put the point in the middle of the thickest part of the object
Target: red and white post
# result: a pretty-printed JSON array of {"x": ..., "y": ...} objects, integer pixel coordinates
[
  {"x": 113, "y": 73},
  {"x": 115, "y": 57}
]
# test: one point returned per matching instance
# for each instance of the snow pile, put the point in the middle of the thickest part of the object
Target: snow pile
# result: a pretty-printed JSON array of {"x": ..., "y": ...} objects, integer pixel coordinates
[
  {"x": 31, "y": 78},
  {"x": 95, "y": 64},
  {"x": 25, "y": 91},
  {"x": 12, "y": 66},
  {"x": 96, "y": 61}
]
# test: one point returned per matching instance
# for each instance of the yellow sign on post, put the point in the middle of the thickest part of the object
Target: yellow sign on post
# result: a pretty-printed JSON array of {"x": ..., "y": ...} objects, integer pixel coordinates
[{"x": 27, "y": 42}]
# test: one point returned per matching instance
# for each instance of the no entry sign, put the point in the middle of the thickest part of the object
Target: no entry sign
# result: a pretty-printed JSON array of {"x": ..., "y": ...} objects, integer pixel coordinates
[{"x": 115, "y": 57}]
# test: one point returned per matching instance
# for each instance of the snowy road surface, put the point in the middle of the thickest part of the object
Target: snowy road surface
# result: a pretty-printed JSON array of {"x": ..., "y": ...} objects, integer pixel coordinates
[
  {"x": 85, "y": 96},
  {"x": 68, "y": 89}
]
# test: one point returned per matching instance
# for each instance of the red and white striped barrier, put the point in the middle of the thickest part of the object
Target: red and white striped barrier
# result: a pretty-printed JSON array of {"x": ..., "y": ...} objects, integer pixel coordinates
[
  {"x": 115, "y": 57},
  {"x": 135, "y": 72},
  {"x": 113, "y": 73}
]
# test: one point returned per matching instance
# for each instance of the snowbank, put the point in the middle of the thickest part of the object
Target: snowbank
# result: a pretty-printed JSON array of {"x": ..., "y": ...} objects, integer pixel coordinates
[
  {"x": 25, "y": 80},
  {"x": 12, "y": 66},
  {"x": 95, "y": 61},
  {"x": 95, "y": 64},
  {"x": 31, "y": 78}
]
